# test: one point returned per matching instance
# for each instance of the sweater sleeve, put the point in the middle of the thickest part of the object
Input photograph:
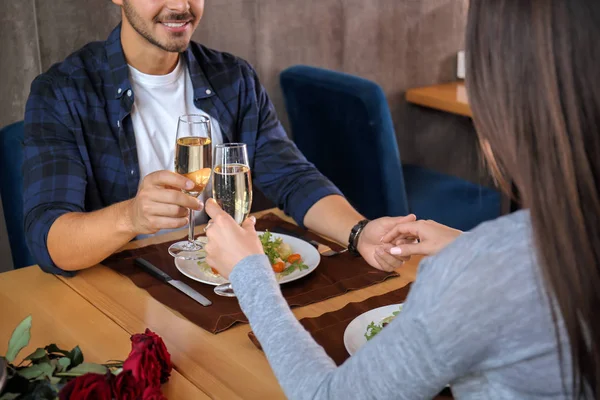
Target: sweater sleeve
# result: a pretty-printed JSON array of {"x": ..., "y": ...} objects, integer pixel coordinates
[{"x": 400, "y": 362}]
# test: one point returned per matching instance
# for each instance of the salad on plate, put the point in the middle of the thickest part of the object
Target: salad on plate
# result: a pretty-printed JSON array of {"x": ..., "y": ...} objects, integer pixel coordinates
[
  {"x": 373, "y": 329},
  {"x": 281, "y": 256}
]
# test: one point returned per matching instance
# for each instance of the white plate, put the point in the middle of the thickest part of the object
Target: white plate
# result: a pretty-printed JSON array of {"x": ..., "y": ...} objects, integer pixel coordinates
[
  {"x": 310, "y": 256},
  {"x": 354, "y": 335}
]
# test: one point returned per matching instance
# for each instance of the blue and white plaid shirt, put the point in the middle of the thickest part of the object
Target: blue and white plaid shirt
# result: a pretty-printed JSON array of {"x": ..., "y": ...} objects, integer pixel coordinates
[{"x": 80, "y": 151}]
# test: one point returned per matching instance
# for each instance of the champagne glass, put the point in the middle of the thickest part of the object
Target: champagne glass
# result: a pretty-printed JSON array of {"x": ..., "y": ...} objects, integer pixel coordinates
[
  {"x": 193, "y": 159},
  {"x": 232, "y": 188}
]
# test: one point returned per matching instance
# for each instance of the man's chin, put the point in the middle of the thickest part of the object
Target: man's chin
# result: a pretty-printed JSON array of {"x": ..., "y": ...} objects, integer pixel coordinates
[{"x": 172, "y": 46}]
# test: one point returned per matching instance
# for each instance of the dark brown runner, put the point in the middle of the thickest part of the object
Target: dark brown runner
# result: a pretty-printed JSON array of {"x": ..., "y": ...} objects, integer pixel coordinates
[
  {"x": 334, "y": 276},
  {"x": 328, "y": 329}
]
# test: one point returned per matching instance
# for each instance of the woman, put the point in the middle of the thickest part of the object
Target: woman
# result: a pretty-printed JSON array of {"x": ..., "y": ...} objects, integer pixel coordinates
[{"x": 505, "y": 311}]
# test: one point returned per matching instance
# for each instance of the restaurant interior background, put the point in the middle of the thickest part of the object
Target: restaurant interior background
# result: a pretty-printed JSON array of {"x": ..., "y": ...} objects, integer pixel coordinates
[{"x": 397, "y": 43}]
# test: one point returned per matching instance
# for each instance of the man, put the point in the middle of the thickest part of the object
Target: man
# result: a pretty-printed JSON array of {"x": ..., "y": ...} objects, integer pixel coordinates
[{"x": 100, "y": 132}]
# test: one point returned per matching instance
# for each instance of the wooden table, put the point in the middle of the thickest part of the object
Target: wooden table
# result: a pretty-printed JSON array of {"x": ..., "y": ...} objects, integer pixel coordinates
[
  {"x": 224, "y": 366},
  {"x": 61, "y": 316},
  {"x": 449, "y": 97}
]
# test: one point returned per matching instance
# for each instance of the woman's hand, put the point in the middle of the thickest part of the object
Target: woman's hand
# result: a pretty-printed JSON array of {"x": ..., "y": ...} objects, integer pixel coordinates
[
  {"x": 376, "y": 251},
  {"x": 420, "y": 238},
  {"x": 228, "y": 243}
]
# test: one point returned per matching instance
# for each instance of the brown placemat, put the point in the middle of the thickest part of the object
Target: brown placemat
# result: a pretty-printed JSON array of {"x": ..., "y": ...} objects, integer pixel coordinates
[
  {"x": 334, "y": 276},
  {"x": 328, "y": 329}
]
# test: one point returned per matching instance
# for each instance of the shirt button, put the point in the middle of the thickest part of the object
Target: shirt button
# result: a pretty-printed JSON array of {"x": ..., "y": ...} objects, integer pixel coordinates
[
  {"x": 208, "y": 91},
  {"x": 119, "y": 90},
  {"x": 132, "y": 172},
  {"x": 118, "y": 124},
  {"x": 129, "y": 93}
]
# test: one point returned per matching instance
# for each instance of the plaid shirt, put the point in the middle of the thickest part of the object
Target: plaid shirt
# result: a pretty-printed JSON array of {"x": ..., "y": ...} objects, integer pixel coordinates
[{"x": 80, "y": 150}]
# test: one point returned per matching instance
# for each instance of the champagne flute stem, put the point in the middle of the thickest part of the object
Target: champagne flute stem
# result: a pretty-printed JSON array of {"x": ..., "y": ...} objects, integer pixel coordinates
[{"x": 191, "y": 226}]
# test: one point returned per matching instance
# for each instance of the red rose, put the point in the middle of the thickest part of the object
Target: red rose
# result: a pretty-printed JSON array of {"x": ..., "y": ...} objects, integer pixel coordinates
[
  {"x": 144, "y": 367},
  {"x": 126, "y": 387},
  {"x": 89, "y": 386},
  {"x": 162, "y": 354},
  {"x": 149, "y": 360},
  {"x": 153, "y": 393}
]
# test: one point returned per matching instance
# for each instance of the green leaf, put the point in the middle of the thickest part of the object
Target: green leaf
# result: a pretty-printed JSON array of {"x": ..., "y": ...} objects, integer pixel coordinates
[
  {"x": 270, "y": 246},
  {"x": 76, "y": 356},
  {"x": 288, "y": 270},
  {"x": 52, "y": 348},
  {"x": 372, "y": 330},
  {"x": 63, "y": 364},
  {"x": 83, "y": 369},
  {"x": 37, "y": 371},
  {"x": 55, "y": 380},
  {"x": 19, "y": 339},
  {"x": 117, "y": 371},
  {"x": 9, "y": 396},
  {"x": 36, "y": 355}
]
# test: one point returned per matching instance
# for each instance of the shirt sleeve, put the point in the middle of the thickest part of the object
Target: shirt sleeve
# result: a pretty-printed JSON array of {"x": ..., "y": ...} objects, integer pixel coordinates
[
  {"x": 401, "y": 362},
  {"x": 54, "y": 175},
  {"x": 280, "y": 170}
]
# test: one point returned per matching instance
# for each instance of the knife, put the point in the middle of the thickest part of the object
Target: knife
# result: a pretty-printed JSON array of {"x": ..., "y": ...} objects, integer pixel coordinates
[{"x": 182, "y": 287}]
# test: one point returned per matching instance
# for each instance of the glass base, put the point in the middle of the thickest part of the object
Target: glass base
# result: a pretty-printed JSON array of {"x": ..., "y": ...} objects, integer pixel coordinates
[
  {"x": 225, "y": 290},
  {"x": 187, "y": 250}
]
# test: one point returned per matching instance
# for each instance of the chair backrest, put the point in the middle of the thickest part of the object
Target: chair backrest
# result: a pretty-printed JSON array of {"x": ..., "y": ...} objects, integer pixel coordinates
[
  {"x": 342, "y": 124},
  {"x": 11, "y": 191}
]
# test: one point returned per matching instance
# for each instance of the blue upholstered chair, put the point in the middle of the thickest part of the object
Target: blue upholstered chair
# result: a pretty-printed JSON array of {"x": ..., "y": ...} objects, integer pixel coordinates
[
  {"x": 342, "y": 124},
  {"x": 11, "y": 188}
]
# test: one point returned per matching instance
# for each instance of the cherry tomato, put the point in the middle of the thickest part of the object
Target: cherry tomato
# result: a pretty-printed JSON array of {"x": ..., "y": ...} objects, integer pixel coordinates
[
  {"x": 293, "y": 258},
  {"x": 279, "y": 266}
]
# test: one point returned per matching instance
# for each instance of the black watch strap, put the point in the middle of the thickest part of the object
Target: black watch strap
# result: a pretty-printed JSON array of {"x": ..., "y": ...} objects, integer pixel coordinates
[{"x": 354, "y": 235}]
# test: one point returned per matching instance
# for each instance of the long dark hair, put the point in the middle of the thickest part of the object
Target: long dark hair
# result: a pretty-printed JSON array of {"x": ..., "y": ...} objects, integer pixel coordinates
[{"x": 533, "y": 77}]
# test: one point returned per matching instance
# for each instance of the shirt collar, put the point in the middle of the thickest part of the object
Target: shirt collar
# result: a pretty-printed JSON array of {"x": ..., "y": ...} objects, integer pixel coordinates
[
  {"x": 202, "y": 87},
  {"x": 120, "y": 71},
  {"x": 117, "y": 63}
]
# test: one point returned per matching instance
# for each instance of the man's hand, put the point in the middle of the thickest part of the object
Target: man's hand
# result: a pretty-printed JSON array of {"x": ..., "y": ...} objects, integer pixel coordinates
[
  {"x": 160, "y": 203},
  {"x": 432, "y": 237},
  {"x": 374, "y": 249}
]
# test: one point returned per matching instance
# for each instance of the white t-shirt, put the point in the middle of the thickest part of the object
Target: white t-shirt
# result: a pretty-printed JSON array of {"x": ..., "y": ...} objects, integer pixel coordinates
[{"x": 159, "y": 101}]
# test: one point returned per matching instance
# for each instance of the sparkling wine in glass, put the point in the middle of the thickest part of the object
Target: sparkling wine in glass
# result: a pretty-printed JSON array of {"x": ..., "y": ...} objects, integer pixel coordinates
[
  {"x": 193, "y": 159},
  {"x": 232, "y": 188}
]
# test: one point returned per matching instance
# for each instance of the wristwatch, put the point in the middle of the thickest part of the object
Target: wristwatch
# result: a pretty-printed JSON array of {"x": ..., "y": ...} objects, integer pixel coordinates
[{"x": 354, "y": 236}]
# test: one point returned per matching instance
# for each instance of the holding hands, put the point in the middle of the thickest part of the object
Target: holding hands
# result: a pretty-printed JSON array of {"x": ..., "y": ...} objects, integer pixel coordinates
[
  {"x": 375, "y": 250},
  {"x": 386, "y": 243},
  {"x": 420, "y": 238}
]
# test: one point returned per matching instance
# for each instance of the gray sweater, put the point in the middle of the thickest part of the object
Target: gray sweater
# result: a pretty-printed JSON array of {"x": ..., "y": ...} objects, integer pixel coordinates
[{"x": 477, "y": 317}]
